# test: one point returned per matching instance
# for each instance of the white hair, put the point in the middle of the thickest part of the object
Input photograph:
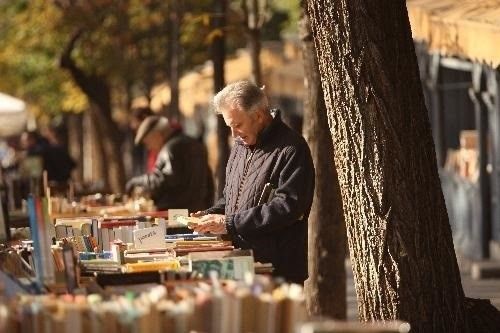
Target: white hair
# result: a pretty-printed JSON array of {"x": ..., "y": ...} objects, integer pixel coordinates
[{"x": 243, "y": 95}]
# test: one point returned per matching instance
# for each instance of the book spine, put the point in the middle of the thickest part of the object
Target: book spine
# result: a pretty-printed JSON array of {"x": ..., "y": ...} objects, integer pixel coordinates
[
  {"x": 46, "y": 239},
  {"x": 105, "y": 239},
  {"x": 33, "y": 216}
]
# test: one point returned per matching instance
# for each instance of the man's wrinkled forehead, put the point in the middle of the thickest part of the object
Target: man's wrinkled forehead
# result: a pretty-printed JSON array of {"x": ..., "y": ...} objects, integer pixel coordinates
[{"x": 232, "y": 116}]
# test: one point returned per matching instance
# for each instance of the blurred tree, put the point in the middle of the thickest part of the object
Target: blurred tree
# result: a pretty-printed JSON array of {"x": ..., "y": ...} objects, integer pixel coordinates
[
  {"x": 124, "y": 41},
  {"x": 98, "y": 90},
  {"x": 121, "y": 47},
  {"x": 254, "y": 18},
  {"x": 262, "y": 22},
  {"x": 29, "y": 44},
  {"x": 275, "y": 25},
  {"x": 218, "y": 59},
  {"x": 174, "y": 52},
  {"x": 286, "y": 16}
]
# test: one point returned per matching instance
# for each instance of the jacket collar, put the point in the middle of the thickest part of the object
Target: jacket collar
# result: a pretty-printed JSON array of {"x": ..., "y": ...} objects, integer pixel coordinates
[{"x": 267, "y": 131}]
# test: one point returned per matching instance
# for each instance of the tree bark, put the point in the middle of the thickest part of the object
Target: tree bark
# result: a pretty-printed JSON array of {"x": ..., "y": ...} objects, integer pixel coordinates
[
  {"x": 325, "y": 288},
  {"x": 399, "y": 236},
  {"x": 98, "y": 91},
  {"x": 218, "y": 58}
]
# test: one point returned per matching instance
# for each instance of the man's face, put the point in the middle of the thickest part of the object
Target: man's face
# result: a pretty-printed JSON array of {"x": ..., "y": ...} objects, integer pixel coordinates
[
  {"x": 134, "y": 124},
  {"x": 153, "y": 141},
  {"x": 244, "y": 126}
]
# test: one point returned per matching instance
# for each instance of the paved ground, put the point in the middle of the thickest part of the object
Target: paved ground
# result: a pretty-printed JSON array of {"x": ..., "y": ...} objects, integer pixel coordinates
[{"x": 485, "y": 288}]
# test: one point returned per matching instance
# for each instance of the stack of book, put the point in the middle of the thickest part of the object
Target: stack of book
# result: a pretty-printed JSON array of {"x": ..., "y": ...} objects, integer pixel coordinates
[
  {"x": 185, "y": 247},
  {"x": 110, "y": 230},
  {"x": 99, "y": 204},
  {"x": 202, "y": 307},
  {"x": 67, "y": 227},
  {"x": 81, "y": 243},
  {"x": 100, "y": 265},
  {"x": 234, "y": 265},
  {"x": 104, "y": 230}
]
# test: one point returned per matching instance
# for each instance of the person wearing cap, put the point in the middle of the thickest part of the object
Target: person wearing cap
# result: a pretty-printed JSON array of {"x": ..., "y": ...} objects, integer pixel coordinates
[
  {"x": 142, "y": 159},
  {"x": 181, "y": 177},
  {"x": 269, "y": 184}
]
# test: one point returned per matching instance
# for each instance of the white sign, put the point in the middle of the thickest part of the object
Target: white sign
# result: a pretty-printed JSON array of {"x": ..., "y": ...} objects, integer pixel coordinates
[{"x": 149, "y": 238}]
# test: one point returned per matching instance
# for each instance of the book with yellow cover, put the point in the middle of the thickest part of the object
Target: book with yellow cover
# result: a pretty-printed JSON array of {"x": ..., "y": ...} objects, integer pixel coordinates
[{"x": 171, "y": 264}]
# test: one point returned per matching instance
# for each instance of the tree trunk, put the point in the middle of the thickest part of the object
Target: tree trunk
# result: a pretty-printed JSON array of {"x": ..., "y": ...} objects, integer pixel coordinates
[
  {"x": 254, "y": 48},
  {"x": 326, "y": 287},
  {"x": 253, "y": 26},
  {"x": 93, "y": 152},
  {"x": 75, "y": 143},
  {"x": 398, "y": 231},
  {"x": 111, "y": 145},
  {"x": 174, "y": 52},
  {"x": 99, "y": 94},
  {"x": 101, "y": 159},
  {"x": 218, "y": 58}
]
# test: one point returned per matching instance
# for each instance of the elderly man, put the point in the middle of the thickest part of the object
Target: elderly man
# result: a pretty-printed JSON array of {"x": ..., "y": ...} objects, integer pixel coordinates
[
  {"x": 269, "y": 183},
  {"x": 181, "y": 177}
]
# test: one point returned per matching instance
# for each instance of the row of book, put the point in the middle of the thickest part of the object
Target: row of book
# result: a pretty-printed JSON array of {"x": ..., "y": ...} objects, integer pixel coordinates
[
  {"x": 104, "y": 230},
  {"x": 91, "y": 232},
  {"x": 195, "y": 307},
  {"x": 229, "y": 264},
  {"x": 107, "y": 230},
  {"x": 99, "y": 204},
  {"x": 81, "y": 243},
  {"x": 24, "y": 263}
]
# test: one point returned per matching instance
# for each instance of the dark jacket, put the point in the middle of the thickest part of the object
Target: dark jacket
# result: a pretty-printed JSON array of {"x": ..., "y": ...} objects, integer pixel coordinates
[
  {"x": 56, "y": 160},
  {"x": 181, "y": 177},
  {"x": 274, "y": 226}
]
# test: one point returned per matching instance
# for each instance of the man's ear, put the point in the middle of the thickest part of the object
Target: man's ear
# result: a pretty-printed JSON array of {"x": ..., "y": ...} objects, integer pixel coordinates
[{"x": 260, "y": 116}]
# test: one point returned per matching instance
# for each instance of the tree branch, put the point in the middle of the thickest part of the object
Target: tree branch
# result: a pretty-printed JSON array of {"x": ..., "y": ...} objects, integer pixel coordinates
[
  {"x": 66, "y": 61},
  {"x": 94, "y": 86}
]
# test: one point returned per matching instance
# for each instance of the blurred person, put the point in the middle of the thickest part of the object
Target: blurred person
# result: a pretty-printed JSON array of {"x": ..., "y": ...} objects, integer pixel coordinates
[
  {"x": 138, "y": 115},
  {"x": 143, "y": 160},
  {"x": 55, "y": 158},
  {"x": 8, "y": 157},
  {"x": 181, "y": 177},
  {"x": 269, "y": 184},
  {"x": 33, "y": 143}
]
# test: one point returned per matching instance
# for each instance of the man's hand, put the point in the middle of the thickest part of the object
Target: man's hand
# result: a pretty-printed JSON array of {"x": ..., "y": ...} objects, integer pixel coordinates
[
  {"x": 197, "y": 214},
  {"x": 131, "y": 184},
  {"x": 211, "y": 223}
]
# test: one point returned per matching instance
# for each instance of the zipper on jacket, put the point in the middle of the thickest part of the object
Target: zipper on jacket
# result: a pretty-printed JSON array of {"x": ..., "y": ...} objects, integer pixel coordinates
[{"x": 244, "y": 177}]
